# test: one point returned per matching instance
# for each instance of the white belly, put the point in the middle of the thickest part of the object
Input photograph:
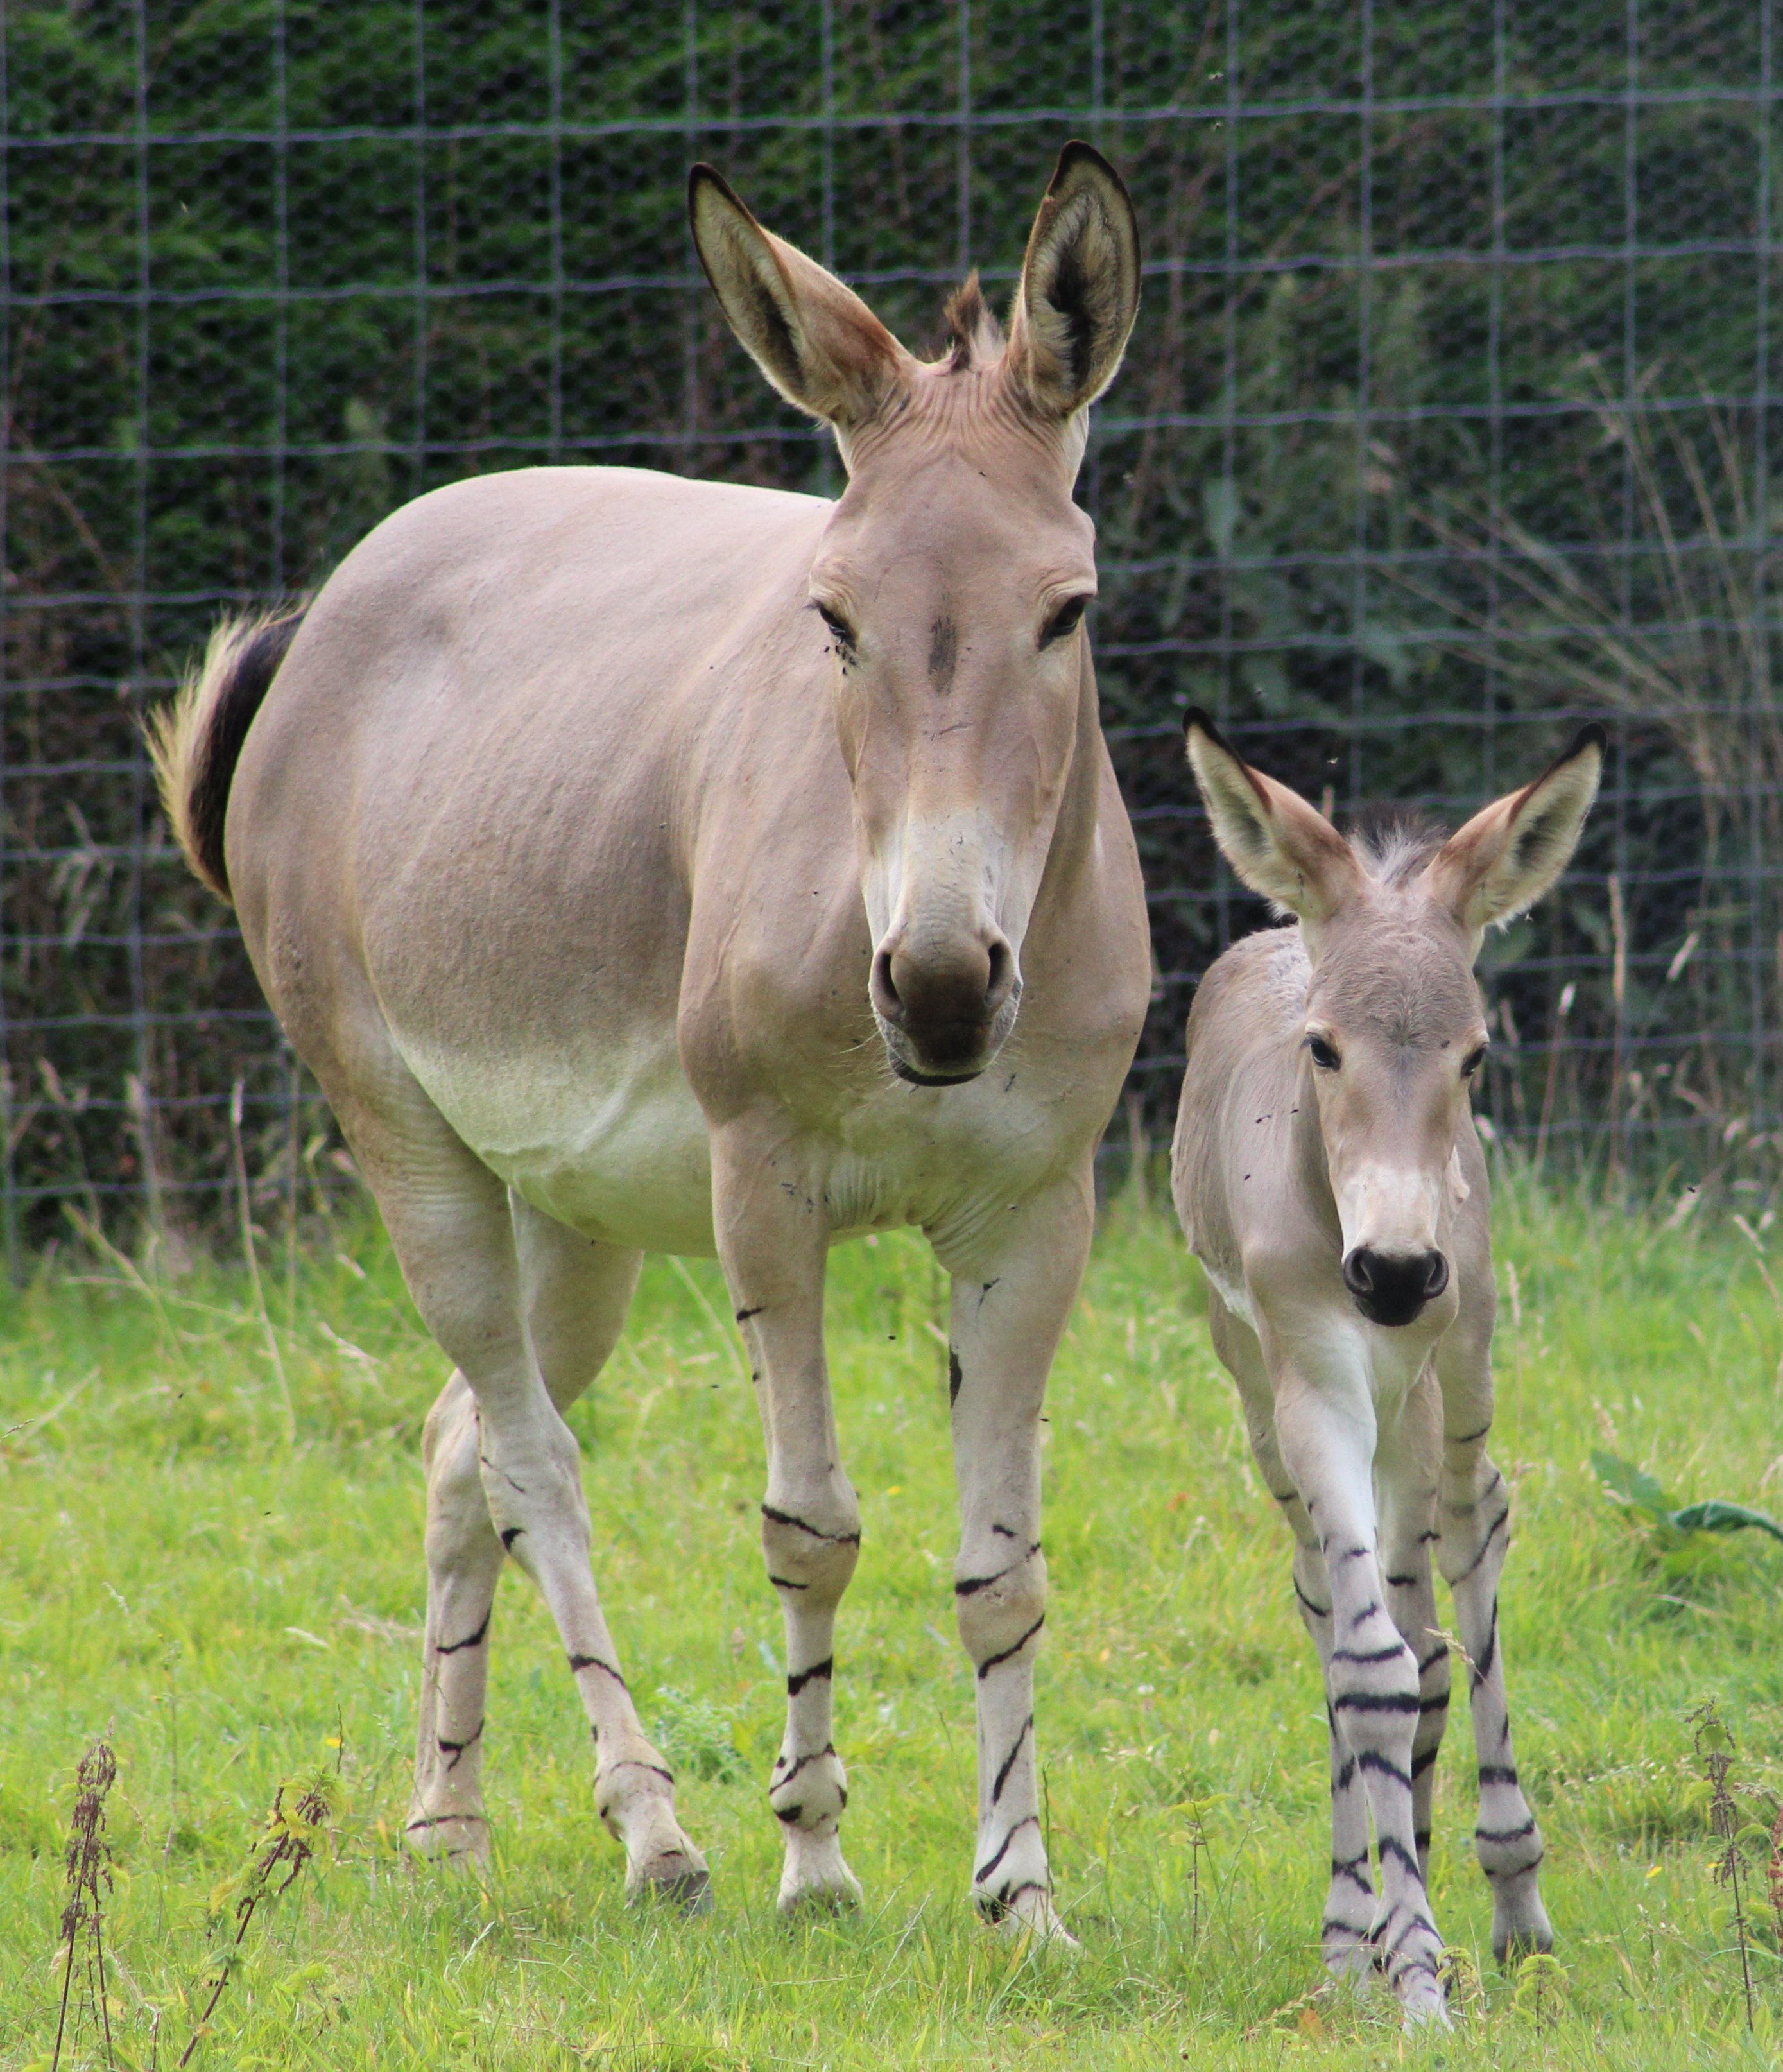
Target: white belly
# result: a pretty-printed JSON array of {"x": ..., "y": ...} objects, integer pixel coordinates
[{"x": 611, "y": 1142}]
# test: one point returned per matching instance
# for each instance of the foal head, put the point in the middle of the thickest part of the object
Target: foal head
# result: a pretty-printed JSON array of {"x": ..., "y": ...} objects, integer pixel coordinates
[
  {"x": 951, "y": 584},
  {"x": 1394, "y": 1029}
]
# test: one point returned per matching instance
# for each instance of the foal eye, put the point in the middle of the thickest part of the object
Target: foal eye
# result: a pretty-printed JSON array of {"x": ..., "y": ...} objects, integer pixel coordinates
[
  {"x": 1323, "y": 1055},
  {"x": 1066, "y": 619},
  {"x": 1472, "y": 1063},
  {"x": 840, "y": 627}
]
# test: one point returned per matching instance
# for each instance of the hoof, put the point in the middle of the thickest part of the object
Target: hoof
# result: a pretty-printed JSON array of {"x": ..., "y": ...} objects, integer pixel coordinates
[
  {"x": 815, "y": 1879},
  {"x": 673, "y": 1882},
  {"x": 841, "y": 1896},
  {"x": 1531, "y": 1936},
  {"x": 1029, "y": 1916},
  {"x": 456, "y": 1841}
]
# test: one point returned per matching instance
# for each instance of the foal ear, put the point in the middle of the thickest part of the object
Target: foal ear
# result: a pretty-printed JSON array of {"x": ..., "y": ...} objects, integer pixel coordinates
[
  {"x": 815, "y": 340},
  {"x": 1277, "y": 844},
  {"x": 1509, "y": 854},
  {"x": 1079, "y": 289}
]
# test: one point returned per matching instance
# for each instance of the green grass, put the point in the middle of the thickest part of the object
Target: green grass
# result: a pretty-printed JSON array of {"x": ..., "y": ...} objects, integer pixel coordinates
[{"x": 227, "y": 1609}]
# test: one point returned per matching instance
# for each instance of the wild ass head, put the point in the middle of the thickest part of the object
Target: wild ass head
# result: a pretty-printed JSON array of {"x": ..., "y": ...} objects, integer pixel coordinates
[
  {"x": 1395, "y": 1031},
  {"x": 951, "y": 584}
]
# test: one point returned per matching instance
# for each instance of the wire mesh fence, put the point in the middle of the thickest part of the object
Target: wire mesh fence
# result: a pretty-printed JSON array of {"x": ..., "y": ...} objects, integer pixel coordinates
[{"x": 1446, "y": 423}]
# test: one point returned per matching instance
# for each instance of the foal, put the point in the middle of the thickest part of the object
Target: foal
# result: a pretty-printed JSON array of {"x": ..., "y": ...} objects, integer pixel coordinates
[{"x": 1327, "y": 1176}]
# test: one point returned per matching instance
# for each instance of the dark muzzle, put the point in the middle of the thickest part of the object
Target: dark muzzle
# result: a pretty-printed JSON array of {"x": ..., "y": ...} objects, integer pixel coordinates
[
  {"x": 1393, "y": 1288},
  {"x": 944, "y": 1011}
]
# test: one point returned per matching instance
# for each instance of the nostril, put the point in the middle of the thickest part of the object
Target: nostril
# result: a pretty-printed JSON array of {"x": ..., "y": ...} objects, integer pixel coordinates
[
  {"x": 1358, "y": 1272},
  {"x": 1436, "y": 1274},
  {"x": 1002, "y": 976},
  {"x": 884, "y": 989}
]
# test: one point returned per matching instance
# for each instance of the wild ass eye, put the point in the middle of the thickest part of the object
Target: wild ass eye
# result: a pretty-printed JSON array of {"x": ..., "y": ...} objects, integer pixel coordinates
[
  {"x": 840, "y": 627},
  {"x": 1066, "y": 619},
  {"x": 1324, "y": 1056},
  {"x": 1474, "y": 1059}
]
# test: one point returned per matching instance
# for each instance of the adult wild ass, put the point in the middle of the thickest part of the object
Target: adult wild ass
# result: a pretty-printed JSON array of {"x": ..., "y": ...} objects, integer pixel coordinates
[
  {"x": 649, "y": 865},
  {"x": 1329, "y": 1176}
]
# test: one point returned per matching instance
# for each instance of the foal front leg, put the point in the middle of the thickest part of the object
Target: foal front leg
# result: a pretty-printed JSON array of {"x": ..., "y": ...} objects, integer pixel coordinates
[
  {"x": 1473, "y": 1517},
  {"x": 1008, "y": 1314},
  {"x": 773, "y": 1239},
  {"x": 1327, "y": 1435}
]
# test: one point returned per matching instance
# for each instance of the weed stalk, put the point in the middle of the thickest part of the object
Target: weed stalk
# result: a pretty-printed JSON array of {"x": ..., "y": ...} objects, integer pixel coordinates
[
  {"x": 89, "y": 1879},
  {"x": 1715, "y": 1751},
  {"x": 298, "y": 1817}
]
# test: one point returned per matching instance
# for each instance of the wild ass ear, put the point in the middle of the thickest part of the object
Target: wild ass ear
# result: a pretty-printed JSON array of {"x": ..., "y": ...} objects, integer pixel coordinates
[
  {"x": 1278, "y": 843},
  {"x": 1079, "y": 289},
  {"x": 815, "y": 340},
  {"x": 1509, "y": 854}
]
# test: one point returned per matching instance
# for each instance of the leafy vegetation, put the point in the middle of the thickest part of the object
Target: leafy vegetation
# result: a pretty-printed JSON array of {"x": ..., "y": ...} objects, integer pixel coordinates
[{"x": 231, "y": 1611}]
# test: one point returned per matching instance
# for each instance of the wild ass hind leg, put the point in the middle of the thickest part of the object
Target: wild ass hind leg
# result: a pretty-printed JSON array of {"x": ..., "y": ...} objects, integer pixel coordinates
[
  {"x": 447, "y": 1821},
  {"x": 1474, "y": 1516},
  {"x": 1406, "y": 1473},
  {"x": 773, "y": 1242},
  {"x": 1327, "y": 1445},
  {"x": 576, "y": 1294},
  {"x": 1349, "y": 1914},
  {"x": 575, "y": 1291},
  {"x": 1008, "y": 1314},
  {"x": 450, "y": 1221}
]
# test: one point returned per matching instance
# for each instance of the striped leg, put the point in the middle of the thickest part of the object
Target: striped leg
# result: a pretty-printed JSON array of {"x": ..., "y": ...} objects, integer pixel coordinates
[
  {"x": 1007, "y": 1315},
  {"x": 1475, "y": 1518},
  {"x": 773, "y": 1239},
  {"x": 476, "y": 1269},
  {"x": 1406, "y": 1476},
  {"x": 1350, "y": 1905},
  {"x": 1328, "y": 1445},
  {"x": 464, "y": 1564}
]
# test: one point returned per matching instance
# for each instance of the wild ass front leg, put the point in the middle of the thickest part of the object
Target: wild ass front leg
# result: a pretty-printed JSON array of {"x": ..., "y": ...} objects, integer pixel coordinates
[
  {"x": 1349, "y": 1914},
  {"x": 1008, "y": 1314},
  {"x": 1328, "y": 1446},
  {"x": 1474, "y": 1515},
  {"x": 773, "y": 1239}
]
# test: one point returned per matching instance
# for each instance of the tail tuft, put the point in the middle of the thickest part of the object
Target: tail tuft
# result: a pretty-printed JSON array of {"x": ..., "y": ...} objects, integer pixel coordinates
[{"x": 196, "y": 741}]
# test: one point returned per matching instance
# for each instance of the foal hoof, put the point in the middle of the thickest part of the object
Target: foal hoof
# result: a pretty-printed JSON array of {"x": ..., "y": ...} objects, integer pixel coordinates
[
  {"x": 672, "y": 1882},
  {"x": 816, "y": 1879},
  {"x": 454, "y": 1841},
  {"x": 1028, "y": 1916}
]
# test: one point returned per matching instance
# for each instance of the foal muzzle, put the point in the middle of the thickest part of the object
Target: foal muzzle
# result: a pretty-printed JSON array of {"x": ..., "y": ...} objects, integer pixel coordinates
[{"x": 1393, "y": 1288}]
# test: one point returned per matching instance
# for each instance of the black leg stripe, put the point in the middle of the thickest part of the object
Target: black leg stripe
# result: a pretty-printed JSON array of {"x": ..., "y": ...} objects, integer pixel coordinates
[
  {"x": 1379, "y": 1765},
  {"x": 972, "y": 1585},
  {"x": 1318, "y": 1611},
  {"x": 1497, "y": 1773},
  {"x": 1492, "y": 1531},
  {"x": 579, "y": 1663},
  {"x": 1372, "y": 1654},
  {"x": 1375, "y": 1701},
  {"x": 1421, "y": 1763},
  {"x": 815, "y": 1755},
  {"x": 786, "y": 1517},
  {"x": 995, "y": 1661},
  {"x": 1031, "y": 1820},
  {"x": 1009, "y": 1761},
  {"x": 470, "y": 1640},
  {"x": 822, "y": 1670},
  {"x": 1500, "y": 1835}
]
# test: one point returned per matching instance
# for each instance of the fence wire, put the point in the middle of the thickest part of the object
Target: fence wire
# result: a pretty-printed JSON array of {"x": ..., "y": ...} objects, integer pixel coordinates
[{"x": 1447, "y": 424}]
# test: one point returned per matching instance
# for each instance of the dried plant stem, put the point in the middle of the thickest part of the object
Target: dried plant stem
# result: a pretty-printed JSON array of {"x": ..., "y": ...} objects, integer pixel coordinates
[
  {"x": 287, "y": 1844},
  {"x": 252, "y": 1258},
  {"x": 89, "y": 1879},
  {"x": 1715, "y": 1750},
  {"x": 1619, "y": 993}
]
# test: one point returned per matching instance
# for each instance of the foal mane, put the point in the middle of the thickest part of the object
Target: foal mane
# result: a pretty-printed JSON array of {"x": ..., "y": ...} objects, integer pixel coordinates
[{"x": 1394, "y": 842}]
